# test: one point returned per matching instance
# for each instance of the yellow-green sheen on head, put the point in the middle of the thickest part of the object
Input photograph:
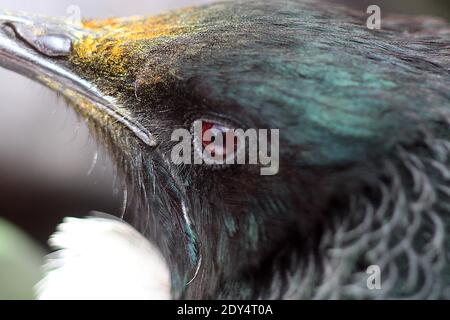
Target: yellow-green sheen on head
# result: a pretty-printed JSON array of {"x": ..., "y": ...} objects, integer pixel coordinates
[{"x": 114, "y": 45}]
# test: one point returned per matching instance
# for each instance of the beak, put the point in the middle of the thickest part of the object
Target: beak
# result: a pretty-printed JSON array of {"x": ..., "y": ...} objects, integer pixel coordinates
[{"x": 39, "y": 48}]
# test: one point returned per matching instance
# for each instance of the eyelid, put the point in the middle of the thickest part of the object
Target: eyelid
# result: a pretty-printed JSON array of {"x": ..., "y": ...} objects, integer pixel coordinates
[{"x": 227, "y": 122}]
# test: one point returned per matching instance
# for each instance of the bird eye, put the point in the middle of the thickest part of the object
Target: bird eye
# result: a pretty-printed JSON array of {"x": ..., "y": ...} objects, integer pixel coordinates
[
  {"x": 208, "y": 140},
  {"x": 214, "y": 142}
]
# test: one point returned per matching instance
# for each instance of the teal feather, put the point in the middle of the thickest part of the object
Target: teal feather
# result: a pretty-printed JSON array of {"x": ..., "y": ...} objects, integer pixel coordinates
[
  {"x": 339, "y": 91},
  {"x": 364, "y": 128}
]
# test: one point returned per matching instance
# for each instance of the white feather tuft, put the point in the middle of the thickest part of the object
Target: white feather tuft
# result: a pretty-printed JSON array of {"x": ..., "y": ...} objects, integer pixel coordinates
[{"x": 101, "y": 258}]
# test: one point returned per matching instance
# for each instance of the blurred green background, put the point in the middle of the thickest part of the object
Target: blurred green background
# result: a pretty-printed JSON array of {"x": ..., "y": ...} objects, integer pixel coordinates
[
  {"x": 43, "y": 179},
  {"x": 20, "y": 263}
]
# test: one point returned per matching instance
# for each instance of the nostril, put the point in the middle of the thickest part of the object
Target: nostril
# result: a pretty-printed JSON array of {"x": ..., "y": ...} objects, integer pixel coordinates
[
  {"x": 49, "y": 44},
  {"x": 54, "y": 45},
  {"x": 8, "y": 30}
]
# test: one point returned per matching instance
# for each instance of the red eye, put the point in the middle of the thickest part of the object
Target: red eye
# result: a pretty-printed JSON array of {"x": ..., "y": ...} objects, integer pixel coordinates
[
  {"x": 215, "y": 130},
  {"x": 214, "y": 142},
  {"x": 205, "y": 127}
]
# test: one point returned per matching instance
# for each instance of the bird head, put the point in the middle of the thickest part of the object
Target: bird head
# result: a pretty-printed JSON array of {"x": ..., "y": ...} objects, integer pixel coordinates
[
  {"x": 136, "y": 80},
  {"x": 291, "y": 66}
]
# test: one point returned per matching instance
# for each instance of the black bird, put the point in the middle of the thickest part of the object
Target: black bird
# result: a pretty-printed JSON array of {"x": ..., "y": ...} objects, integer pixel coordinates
[{"x": 363, "y": 118}]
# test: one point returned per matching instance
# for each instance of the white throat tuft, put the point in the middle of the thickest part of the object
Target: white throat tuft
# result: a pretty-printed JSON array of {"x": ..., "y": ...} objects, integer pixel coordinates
[{"x": 102, "y": 258}]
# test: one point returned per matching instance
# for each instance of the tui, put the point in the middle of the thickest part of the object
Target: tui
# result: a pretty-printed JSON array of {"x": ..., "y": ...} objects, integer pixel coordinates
[{"x": 364, "y": 146}]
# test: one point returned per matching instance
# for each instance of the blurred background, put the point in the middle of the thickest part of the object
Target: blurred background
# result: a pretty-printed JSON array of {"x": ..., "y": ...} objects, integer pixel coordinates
[{"x": 49, "y": 165}]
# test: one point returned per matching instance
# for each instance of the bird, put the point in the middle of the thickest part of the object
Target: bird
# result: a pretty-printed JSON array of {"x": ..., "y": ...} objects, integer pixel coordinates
[{"x": 364, "y": 142}]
